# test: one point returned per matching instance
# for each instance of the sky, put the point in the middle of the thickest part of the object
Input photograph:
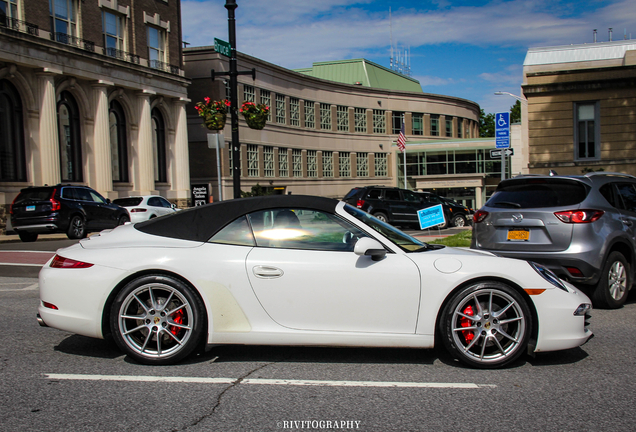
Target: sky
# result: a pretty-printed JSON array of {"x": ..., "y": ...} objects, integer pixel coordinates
[{"x": 467, "y": 49}]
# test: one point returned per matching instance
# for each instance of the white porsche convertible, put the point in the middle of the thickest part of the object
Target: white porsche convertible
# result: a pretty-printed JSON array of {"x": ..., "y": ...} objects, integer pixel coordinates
[{"x": 302, "y": 270}]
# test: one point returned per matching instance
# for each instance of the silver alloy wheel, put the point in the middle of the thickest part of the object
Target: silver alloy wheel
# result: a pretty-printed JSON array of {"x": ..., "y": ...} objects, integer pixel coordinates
[
  {"x": 77, "y": 228},
  {"x": 617, "y": 280},
  {"x": 155, "y": 320},
  {"x": 488, "y": 326}
]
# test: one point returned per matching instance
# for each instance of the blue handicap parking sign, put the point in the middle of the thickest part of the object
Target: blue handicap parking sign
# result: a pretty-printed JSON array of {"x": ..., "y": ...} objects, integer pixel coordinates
[{"x": 502, "y": 130}]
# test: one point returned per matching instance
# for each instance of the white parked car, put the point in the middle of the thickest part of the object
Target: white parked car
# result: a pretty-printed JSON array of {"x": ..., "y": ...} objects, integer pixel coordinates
[
  {"x": 301, "y": 270},
  {"x": 142, "y": 208}
]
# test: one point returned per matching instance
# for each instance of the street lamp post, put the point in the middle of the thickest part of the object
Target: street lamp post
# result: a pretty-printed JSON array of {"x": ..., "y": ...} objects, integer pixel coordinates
[{"x": 503, "y": 151}]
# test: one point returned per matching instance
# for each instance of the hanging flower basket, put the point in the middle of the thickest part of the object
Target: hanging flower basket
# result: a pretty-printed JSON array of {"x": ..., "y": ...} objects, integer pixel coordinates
[
  {"x": 214, "y": 113},
  {"x": 255, "y": 115}
]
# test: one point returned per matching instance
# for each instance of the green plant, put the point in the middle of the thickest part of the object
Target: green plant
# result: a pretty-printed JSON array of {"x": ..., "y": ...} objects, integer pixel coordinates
[
  {"x": 255, "y": 115},
  {"x": 213, "y": 112},
  {"x": 458, "y": 240}
]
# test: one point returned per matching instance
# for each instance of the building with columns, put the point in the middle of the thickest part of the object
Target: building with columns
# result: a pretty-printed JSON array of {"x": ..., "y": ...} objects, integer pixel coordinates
[
  {"x": 93, "y": 92},
  {"x": 332, "y": 126}
]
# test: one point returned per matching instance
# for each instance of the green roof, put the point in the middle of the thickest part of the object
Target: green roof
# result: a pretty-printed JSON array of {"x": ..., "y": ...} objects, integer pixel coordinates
[{"x": 362, "y": 72}]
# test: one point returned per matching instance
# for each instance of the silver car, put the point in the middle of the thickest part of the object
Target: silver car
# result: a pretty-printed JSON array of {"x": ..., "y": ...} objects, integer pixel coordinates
[{"x": 581, "y": 227}]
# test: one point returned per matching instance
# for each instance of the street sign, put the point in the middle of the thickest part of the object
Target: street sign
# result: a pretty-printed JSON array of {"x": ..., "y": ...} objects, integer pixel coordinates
[
  {"x": 497, "y": 153},
  {"x": 431, "y": 216},
  {"x": 502, "y": 130},
  {"x": 222, "y": 47}
]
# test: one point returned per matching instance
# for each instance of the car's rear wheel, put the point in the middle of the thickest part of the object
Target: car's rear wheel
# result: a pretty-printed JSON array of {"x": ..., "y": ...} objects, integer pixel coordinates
[
  {"x": 77, "y": 228},
  {"x": 381, "y": 216},
  {"x": 157, "y": 319},
  {"x": 123, "y": 219},
  {"x": 486, "y": 325},
  {"x": 27, "y": 237},
  {"x": 459, "y": 221},
  {"x": 611, "y": 291}
]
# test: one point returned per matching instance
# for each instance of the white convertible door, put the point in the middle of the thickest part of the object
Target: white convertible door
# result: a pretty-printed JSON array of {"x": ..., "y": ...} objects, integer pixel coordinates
[{"x": 308, "y": 278}]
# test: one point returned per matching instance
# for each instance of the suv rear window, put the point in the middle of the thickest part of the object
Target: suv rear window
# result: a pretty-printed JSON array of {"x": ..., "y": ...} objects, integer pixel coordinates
[
  {"x": 537, "y": 193},
  {"x": 34, "y": 195},
  {"x": 128, "y": 202}
]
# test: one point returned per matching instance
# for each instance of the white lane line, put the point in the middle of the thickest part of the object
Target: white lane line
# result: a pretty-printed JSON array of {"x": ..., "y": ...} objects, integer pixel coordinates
[
  {"x": 259, "y": 381},
  {"x": 21, "y": 264}
]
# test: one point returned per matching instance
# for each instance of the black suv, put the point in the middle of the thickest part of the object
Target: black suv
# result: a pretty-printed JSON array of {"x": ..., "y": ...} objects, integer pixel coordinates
[
  {"x": 389, "y": 204},
  {"x": 456, "y": 214},
  {"x": 74, "y": 210}
]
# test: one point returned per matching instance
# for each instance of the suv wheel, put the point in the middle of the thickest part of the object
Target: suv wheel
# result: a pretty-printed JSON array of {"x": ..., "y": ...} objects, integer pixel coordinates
[
  {"x": 77, "y": 228},
  {"x": 381, "y": 216},
  {"x": 459, "y": 221},
  {"x": 615, "y": 282},
  {"x": 27, "y": 237}
]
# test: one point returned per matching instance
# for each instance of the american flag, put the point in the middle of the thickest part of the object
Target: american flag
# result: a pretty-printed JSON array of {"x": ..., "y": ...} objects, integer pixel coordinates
[{"x": 401, "y": 139}]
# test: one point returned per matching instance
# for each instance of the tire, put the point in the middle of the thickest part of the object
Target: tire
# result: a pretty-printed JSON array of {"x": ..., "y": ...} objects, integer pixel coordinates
[
  {"x": 27, "y": 237},
  {"x": 122, "y": 220},
  {"x": 459, "y": 221},
  {"x": 381, "y": 216},
  {"x": 490, "y": 339},
  {"x": 614, "y": 284},
  {"x": 77, "y": 228},
  {"x": 157, "y": 320}
]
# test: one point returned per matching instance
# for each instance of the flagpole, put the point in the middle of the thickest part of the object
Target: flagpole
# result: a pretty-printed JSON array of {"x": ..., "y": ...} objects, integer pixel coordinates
[{"x": 404, "y": 152}]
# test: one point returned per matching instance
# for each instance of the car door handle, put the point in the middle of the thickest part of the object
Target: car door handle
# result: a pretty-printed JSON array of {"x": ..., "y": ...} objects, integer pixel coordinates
[
  {"x": 267, "y": 272},
  {"x": 627, "y": 222}
]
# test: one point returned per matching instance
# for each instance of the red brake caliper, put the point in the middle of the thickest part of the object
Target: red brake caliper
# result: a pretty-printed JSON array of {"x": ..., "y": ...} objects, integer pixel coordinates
[
  {"x": 465, "y": 322},
  {"x": 177, "y": 317}
]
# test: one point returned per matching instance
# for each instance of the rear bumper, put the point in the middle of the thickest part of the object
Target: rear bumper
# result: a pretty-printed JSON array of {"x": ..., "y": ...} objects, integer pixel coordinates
[{"x": 37, "y": 228}]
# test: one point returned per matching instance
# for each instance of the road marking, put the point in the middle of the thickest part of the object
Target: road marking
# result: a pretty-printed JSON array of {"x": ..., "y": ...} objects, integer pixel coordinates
[
  {"x": 21, "y": 264},
  {"x": 259, "y": 381}
]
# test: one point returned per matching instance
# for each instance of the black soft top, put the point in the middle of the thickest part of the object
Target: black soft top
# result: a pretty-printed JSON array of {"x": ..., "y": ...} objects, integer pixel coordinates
[{"x": 202, "y": 222}]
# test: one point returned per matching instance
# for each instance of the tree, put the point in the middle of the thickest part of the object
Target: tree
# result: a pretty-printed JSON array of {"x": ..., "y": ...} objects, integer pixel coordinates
[
  {"x": 486, "y": 124},
  {"x": 515, "y": 113}
]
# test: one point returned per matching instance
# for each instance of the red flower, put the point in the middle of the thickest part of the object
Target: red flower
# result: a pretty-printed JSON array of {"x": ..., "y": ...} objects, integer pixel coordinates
[{"x": 207, "y": 100}]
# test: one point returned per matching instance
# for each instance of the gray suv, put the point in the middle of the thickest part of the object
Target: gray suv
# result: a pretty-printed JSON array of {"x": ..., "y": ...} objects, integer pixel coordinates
[{"x": 581, "y": 227}]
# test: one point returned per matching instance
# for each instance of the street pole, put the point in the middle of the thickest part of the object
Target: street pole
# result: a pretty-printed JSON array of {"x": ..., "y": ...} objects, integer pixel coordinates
[{"x": 230, "y": 5}]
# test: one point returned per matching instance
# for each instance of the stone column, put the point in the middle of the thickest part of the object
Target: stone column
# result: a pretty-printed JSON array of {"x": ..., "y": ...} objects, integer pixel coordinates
[
  {"x": 144, "y": 161},
  {"x": 180, "y": 181},
  {"x": 101, "y": 141},
  {"x": 48, "y": 132}
]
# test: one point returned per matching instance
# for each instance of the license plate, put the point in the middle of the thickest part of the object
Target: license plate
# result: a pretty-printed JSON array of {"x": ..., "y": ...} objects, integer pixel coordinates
[
  {"x": 518, "y": 235},
  {"x": 30, "y": 208}
]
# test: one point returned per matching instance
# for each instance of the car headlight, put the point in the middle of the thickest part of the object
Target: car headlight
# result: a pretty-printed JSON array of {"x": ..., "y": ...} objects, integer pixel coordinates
[{"x": 548, "y": 275}]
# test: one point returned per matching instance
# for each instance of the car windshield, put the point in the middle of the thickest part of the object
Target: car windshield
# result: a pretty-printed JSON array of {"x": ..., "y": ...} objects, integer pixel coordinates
[
  {"x": 404, "y": 241},
  {"x": 538, "y": 193}
]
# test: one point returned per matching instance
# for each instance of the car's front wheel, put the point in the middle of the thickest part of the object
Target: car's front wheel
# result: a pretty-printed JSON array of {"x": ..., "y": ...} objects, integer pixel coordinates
[
  {"x": 486, "y": 325},
  {"x": 123, "y": 219},
  {"x": 157, "y": 319},
  {"x": 611, "y": 291},
  {"x": 77, "y": 228},
  {"x": 459, "y": 221}
]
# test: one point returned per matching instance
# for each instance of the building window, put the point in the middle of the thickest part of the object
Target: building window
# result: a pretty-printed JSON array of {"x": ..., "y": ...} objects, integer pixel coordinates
[
  {"x": 283, "y": 162},
  {"x": 268, "y": 161},
  {"x": 460, "y": 130},
  {"x": 449, "y": 126},
  {"x": 12, "y": 148},
  {"x": 266, "y": 99},
  {"x": 70, "y": 142},
  {"x": 294, "y": 111},
  {"x": 381, "y": 165},
  {"x": 252, "y": 160},
  {"x": 8, "y": 9},
  {"x": 360, "y": 119},
  {"x": 310, "y": 115},
  {"x": 280, "y": 109},
  {"x": 587, "y": 132},
  {"x": 63, "y": 18},
  {"x": 342, "y": 114},
  {"x": 156, "y": 48},
  {"x": 379, "y": 122},
  {"x": 418, "y": 124},
  {"x": 434, "y": 125},
  {"x": 248, "y": 93},
  {"x": 159, "y": 146},
  {"x": 325, "y": 116},
  {"x": 327, "y": 164},
  {"x": 118, "y": 144},
  {"x": 312, "y": 163},
  {"x": 362, "y": 164},
  {"x": 344, "y": 161},
  {"x": 297, "y": 163},
  {"x": 397, "y": 117},
  {"x": 113, "y": 27}
]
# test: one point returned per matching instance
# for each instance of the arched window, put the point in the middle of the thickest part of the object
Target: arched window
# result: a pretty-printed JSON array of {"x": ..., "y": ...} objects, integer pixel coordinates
[
  {"x": 68, "y": 122},
  {"x": 118, "y": 142},
  {"x": 12, "y": 149},
  {"x": 159, "y": 145}
]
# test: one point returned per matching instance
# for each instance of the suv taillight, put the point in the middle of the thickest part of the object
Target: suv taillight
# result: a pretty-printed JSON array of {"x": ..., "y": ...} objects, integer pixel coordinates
[
  {"x": 55, "y": 204},
  {"x": 11, "y": 208},
  {"x": 579, "y": 216},
  {"x": 479, "y": 216},
  {"x": 359, "y": 203}
]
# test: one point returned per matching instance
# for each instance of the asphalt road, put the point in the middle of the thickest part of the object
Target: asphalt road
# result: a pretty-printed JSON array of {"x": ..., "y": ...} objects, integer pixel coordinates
[{"x": 55, "y": 381}]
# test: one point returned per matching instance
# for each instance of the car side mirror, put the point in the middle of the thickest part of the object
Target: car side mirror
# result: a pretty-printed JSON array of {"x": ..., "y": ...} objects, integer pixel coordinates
[
  {"x": 174, "y": 206},
  {"x": 367, "y": 246},
  {"x": 107, "y": 200}
]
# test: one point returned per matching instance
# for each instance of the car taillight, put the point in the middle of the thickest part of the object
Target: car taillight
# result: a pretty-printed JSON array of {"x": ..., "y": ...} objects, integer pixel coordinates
[
  {"x": 138, "y": 210},
  {"x": 359, "y": 203},
  {"x": 579, "y": 216},
  {"x": 55, "y": 204},
  {"x": 479, "y": 216},
  {"x": 11, "y": 208},
  {"x": 61, "y": 262}
]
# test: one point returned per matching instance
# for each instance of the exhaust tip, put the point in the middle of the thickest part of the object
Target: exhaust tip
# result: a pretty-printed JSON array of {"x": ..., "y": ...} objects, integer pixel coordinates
[{"x": 40, "y": 321}]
